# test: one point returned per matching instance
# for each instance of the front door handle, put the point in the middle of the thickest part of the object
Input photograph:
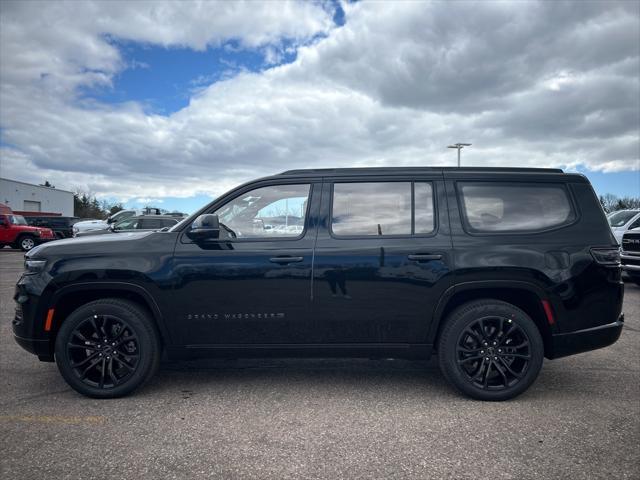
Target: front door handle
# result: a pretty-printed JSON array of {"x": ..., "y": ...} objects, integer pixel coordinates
[
  {"x": 285, "y": 260},
  {"x": 424, "y": 257}
]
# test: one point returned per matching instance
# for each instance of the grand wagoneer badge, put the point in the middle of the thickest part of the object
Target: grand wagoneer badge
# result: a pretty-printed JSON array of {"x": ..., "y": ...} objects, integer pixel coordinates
[{"x": 234, "y": 316}]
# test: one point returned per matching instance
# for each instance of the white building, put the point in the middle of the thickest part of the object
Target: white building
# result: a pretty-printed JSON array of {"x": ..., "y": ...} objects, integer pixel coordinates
[{"x": 25, "y": 197}]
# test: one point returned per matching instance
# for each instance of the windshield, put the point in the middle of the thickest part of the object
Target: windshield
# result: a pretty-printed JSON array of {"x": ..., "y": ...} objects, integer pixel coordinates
[
  {"x": 17, "y": 220},
  {"x": 179, "y": 225},
  {"x": 121, "y": 215},
  {"x": 128, "y": 224},
  {"x": 619, "y": 219}
]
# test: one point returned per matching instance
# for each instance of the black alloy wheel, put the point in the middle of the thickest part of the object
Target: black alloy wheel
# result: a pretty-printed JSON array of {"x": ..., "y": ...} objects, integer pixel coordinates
[
  {"x": 490, "y": 350},
  {"x": 107, "y": 348},
  {"x": 493, "y": 352},
  {"x": 104, "y": 351}
]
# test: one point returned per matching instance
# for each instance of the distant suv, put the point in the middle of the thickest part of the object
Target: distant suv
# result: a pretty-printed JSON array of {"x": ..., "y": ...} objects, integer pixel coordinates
[
  {"x": 622, "y": 221},
  {"x": 631, "y": 254},
  {"x": 16, "y": 232},
  {"x": 493, "y": 269},
  {"x": 143, "y": 222},
  {"x": 62, "y": 226}
]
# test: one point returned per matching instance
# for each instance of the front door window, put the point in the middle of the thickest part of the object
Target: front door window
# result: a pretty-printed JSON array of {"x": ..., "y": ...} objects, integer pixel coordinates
[{"x": 267, "y": 212}]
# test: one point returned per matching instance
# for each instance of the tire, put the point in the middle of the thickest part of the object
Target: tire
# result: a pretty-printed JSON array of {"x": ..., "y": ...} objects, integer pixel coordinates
[
  {"x": 113, "y": 368},
  {"x": 479, "y": 368},
  {"x": 26, "y": 243}
]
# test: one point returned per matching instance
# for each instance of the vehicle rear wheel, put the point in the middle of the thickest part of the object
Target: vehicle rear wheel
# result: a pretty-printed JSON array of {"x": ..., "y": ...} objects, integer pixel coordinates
[
  {"x": 107, "y": 348},
  {"x": 26, "y": 243},
  {"x": 490, "y": 350}
]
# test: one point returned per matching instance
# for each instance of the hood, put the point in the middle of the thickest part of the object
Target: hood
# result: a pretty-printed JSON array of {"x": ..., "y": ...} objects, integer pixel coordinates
[
  {"x": 91, "y": 244},
  {"x": 90, "y": 222},
  {"x": 101, "y": 231}
]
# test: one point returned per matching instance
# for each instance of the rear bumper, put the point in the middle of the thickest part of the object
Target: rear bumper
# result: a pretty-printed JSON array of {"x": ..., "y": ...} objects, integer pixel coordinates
[{"x": 565, "y": 344}]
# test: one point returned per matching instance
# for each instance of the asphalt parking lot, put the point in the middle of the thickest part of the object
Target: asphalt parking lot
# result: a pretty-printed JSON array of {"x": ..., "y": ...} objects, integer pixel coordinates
[{"x": 320, "y": 418}]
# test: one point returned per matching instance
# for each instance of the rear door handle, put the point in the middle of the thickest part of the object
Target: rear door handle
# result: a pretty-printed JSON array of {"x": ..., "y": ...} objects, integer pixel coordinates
[
  {"x": 424, "y": 257},
  {"x": 285, "y": 260}
]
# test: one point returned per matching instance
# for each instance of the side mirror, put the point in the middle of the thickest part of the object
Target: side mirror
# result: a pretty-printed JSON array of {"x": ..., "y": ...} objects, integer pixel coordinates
[
  {"x": 205, "y": 227},
  {"x": 109, "y": 219}
]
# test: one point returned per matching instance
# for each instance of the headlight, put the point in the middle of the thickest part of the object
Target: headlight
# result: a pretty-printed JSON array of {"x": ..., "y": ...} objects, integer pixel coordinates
[{"x": 34, "y": 266}]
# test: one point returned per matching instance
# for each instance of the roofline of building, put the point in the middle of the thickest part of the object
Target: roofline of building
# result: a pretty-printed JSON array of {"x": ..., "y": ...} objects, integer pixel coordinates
[{"x": 38, "y": 186}]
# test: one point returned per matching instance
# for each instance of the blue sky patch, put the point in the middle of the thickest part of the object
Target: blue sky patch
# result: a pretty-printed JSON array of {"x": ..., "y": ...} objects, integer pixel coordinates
[{"x": 164, "y": 79}]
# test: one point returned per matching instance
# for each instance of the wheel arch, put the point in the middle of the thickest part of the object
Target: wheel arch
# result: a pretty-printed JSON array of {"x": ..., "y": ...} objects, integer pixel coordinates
[
  {"x": 21, "y": 235},
  {"x": 526, "y": 296},
  {"x": 67, "y": 299}
]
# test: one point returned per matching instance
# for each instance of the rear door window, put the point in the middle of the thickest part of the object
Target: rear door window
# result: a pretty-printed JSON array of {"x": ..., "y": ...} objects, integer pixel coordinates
[
  {"x": 513, "y": 207},
  {"x": 382, "y": 208}
]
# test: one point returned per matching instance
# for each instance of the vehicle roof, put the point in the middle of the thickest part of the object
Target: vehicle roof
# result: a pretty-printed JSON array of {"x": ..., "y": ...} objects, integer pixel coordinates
[
  {"x": 409, "y": 170},
  {"x": 447, "y": 172}
]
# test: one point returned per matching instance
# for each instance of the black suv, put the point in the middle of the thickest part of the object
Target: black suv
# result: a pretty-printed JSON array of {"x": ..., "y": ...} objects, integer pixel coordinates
[
  {"x": 62, "y": 226},
  {"x": 491, "y": 268}
]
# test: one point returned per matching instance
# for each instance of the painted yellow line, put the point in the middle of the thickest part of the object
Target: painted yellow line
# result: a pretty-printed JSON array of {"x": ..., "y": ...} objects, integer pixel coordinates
[{"x": 56, "y": 419}]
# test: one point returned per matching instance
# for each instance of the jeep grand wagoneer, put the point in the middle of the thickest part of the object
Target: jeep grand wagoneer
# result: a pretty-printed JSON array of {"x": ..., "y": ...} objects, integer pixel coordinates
[{"x": 492, "y": 269}]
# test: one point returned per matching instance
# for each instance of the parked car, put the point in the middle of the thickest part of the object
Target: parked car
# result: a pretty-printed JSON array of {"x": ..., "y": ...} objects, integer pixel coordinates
[
  {"x": 143, "y": 222},
  {"x": 630, "y": 254},
  {"x": 623, "y": 220},
  {"x": 16, "y": 232},
  {"x": 492, "y": 268},
  {"x": 62, "y": 226},
  {"x": 89, "y": 224}
]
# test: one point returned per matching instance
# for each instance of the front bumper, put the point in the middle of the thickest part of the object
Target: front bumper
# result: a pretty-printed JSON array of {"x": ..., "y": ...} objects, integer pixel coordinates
[
  {"x": 630, "y": 262},
  {"x": 564, "y": 344},
  {"x": 29, "y": 317},
  {"x": 40, "y": 240},
  {"x": 41, "y": 348}
]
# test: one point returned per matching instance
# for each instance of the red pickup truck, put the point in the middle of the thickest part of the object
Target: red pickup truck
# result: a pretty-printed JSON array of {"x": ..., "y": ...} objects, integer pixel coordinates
[{"x": 15, "y": 231}]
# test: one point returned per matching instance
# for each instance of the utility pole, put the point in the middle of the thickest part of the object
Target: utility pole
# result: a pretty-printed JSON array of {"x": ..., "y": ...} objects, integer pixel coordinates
[{"x": 459, "y": 146}]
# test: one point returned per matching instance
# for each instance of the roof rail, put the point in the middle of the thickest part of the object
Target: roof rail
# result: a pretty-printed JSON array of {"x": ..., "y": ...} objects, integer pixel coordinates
[{"x": 355, "y": 170}]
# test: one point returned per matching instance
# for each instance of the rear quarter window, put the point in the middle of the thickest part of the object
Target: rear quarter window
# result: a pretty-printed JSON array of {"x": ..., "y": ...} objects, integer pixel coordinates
[{"x": 513, "y": 207}]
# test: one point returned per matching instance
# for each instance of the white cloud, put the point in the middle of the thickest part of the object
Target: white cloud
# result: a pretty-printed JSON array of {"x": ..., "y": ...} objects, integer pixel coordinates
[{"x": 529, "y": 84}]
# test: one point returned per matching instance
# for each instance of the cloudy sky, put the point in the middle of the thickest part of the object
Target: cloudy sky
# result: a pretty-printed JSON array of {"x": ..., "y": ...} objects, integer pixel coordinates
[{"x": 174, "y": 102}]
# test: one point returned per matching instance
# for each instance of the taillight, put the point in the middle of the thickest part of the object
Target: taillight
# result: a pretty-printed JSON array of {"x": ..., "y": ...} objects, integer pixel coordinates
[{"x": 606, "y": 256}]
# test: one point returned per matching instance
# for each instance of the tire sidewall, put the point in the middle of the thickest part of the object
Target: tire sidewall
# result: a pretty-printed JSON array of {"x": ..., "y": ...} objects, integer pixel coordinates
[
  {"x": 467, "y": 314},
  {"x": 147, "y": 345}
]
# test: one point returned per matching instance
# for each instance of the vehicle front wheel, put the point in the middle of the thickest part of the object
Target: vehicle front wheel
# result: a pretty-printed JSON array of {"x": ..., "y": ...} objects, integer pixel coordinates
[
  {"x": 490, "y": 350},
  {"x": 26, "y": 243},
  {"x": 107, "y": 348}
]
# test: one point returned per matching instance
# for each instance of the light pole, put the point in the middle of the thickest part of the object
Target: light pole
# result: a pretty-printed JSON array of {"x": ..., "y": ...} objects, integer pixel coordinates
[{"x": 459, "y": 146}]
